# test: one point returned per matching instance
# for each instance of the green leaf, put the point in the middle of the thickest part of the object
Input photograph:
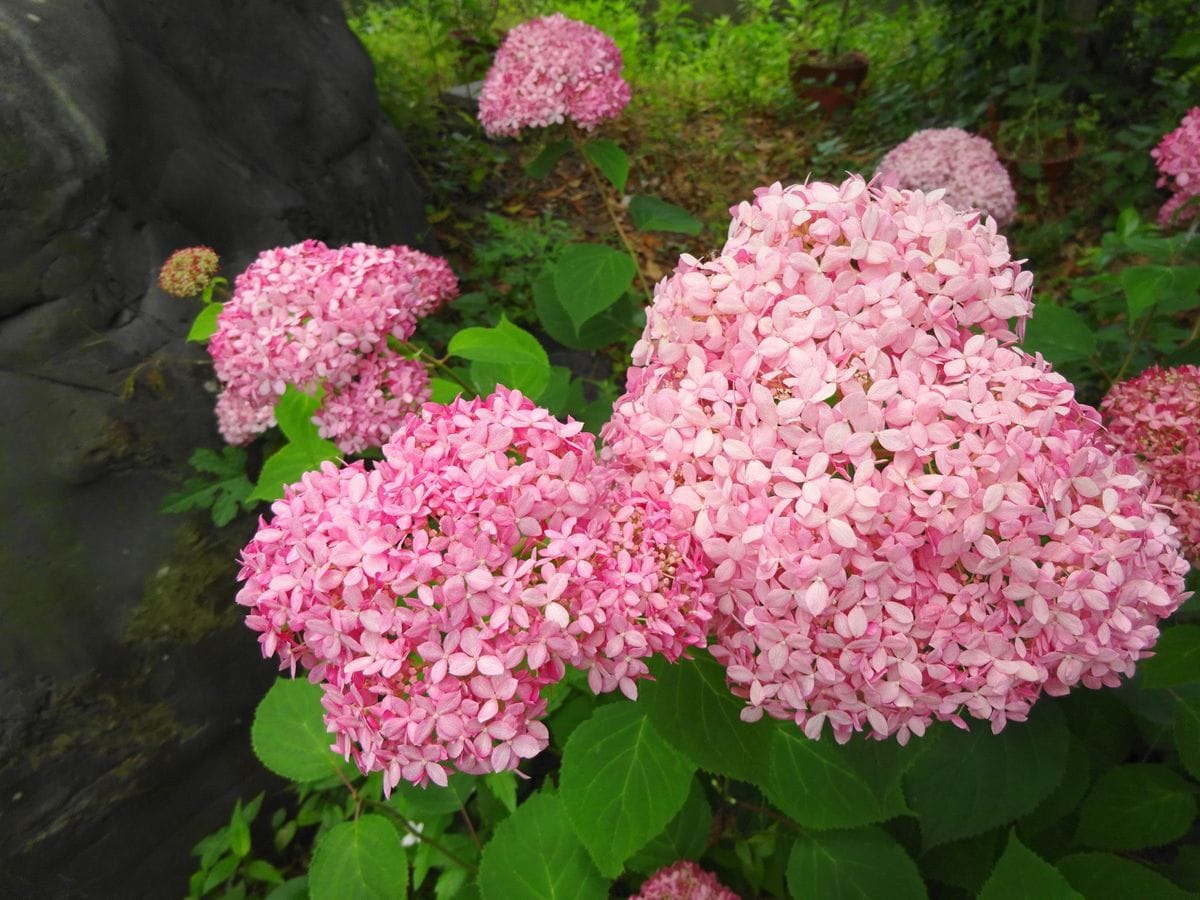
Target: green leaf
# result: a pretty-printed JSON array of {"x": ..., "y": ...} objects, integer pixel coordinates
[
  {"x": 1103, "y": 876},
  {"x": 505, "y": 355},
  {"x": 611, "y": 160},
  {"x": 205, "y": 325},
  {"x": 425, "y": 802},
  {"x": 292, "y": 889},
  {"x": 544, "y": 163},
  {"x": 966, "y": 863},
  {"x": 443, "y": 390},
  {"x": 535, "y": 855},
  {"x": 294, "y": 412},
  {"x": 600, "y": 330},
  {"x": 220, "y": 873},
  {"x": 288, "y": 734},
  {"x": 652, "y": 214},
  {"x": 1176, "y": 658},
  {"x": 239, "y": 832},
  {"x": 1136, "y": 806},
  {"x": 1059, "y": 334},
  {"x": 359, "y": 860},
  {"x": 1142, "y": 286},
  {"x": 620, "y": 783},
  {"x": 684, "y": 837},
  {"x": 502, "y": 786},
  {"x": 1127, "y": 222},
  {"x": 818, "y": 784},
  {"x": 1187, "y": 733},
  {"x": 261, "y": 870},
  {"x": 223, "y": 494},
  {"x": 1064, "y": 799},
  {"x": 995, "y": 778},
  {"x": 864, "y": 863},
  {"x": 1021, "y": 873},
  {"x": 690, "y": 705},
  {"x": 286, "y": 466},
  {"x": 557, "y": 392},
  {"x": 589, "y": 278}
]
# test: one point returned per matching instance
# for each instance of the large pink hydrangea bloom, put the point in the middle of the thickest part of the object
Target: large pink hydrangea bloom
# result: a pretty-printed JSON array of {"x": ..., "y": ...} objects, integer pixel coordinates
[
  {"x": 308, "y": 315},
  {"x": 1178, "y": 159},
  {"x": 964, "y": 165},
  {"x": 908, "y": 518},
  {"x": 549, "y": 70},
  {"x": 437, "y": 593},
  {"x": 1156, "y": 417},
  {"x": 683, "y": 880}
]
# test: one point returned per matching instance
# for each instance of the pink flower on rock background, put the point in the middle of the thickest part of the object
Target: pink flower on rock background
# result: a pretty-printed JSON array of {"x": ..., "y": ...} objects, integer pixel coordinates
[
  {"x": 964, "y": 165},
  {"x": 308, "y": 315},
  {"x": 1178, "y": 159},
  {"x": 684, "y": 880},
  {"x": 438, "y": 592},
  {"x": 549, "y": 70},
  {"x": 1156, "y": 417},
  {"x": 906, "y": 517}
]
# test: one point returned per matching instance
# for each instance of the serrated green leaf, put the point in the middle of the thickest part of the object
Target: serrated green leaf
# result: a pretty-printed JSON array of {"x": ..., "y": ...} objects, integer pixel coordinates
[
  {"x": 1022, "y": 873},
  {"x": 294, "y": 412},
  {"x": 205, "y": 324},
  {"x": 289, "y": 735},
  {"x": 223, "y": 494},
  {"x": 1136, "y": 806},
  {"x": 535, "y": 855},
  {"x": 1063, "y": 800},
  {"x": 1103, "y": 876},
  {"x": 505, "y": 355},
  {"x": 286, "y": 466},
  {"x": 1187, "y": 733},
  {"x": 543, "y": 164},
  {"x": 443, "y": 390},
  {"x": 996, "y": 778},
  {"x": 359, "y": 860},
  {"x": 861, "y": 864},
  {"x": 424, "y": 802},
  {"x": 1142, "y": 286},
  {"x": 1059, "y": 334},
  {"x": 1176, "y": 658},
  {"x": 502, "y": 786},
  {"x": 652, "y": 214},
  {"x": 620, "y": 783},
  {"x": 611, "y": 160},
  {"x": 589, "y": 278},
  {"x": 690, "y": 705},
  {"x": 966, "y": 863},
  {"x": 684, "y": 837},
  {"x": 601, "y": 330}
]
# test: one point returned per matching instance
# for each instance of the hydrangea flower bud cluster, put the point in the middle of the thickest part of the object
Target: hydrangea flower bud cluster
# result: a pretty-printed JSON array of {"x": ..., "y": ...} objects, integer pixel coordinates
[
  {"x": 438, "y": 592},
  {"x": 1178, "y": 159},
  {"x": 309, "y": 315},
  {"x": 549, "y": 70},
  {"x": 1156, "y": 417},
  {"x": 187, "y": 272},
  {"x": 907, "y": 517},
  {"x": 683, "y": 880},
  {"x": 964, "y": 165}
]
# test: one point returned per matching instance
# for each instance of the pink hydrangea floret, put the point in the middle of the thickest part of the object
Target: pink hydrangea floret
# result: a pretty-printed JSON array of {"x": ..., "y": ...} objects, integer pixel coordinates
[
  {"x": 1178, "y": 159},
  {"x": 906, "y": 517},
  {"x": 963, "y": 165},
  {"x": 313, "y": 317},
  {"x": 684, "y": 880},
  {"x": 436, "y": 594},
  {"x": 1156, "y": 417},
  {"x": 549, "y": 70}
]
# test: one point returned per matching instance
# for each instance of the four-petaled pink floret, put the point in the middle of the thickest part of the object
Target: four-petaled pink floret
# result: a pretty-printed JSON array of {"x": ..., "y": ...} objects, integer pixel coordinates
[
  {"x": 964, "y": 165},
  {"x": 1178, "y": 159},
  {"x": 316, "y": 317},
  {"x": 684, "y": 880},
  {"x": 435, "y": 594},
  {"x": 549, "y": 70},
  {"x": 907, "y": 517},
  {"x": 1156, "y": 417}
]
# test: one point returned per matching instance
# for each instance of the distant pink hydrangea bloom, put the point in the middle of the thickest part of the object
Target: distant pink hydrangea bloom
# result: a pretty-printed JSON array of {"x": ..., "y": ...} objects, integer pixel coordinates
[
  {"x": 683, "y": 880},
  {"x": 907, "y": 517},
  {"x": 438, "y": 592},
  {"x": 1178, "y": 159},
  {"x": 187, "y": 272},
  {"x": 549, "y": 70},
  {"x": 1156, "y": 417},
  {"x": 308, "y": 316},
  {"x": 964, "y": 165}
]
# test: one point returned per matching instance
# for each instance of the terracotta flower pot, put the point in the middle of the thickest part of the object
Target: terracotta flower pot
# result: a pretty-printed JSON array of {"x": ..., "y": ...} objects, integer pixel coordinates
[{"x": 831, "y": 83}]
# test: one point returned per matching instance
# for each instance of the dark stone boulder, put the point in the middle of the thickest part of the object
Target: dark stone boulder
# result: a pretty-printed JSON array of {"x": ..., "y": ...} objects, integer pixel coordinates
[{"x": 130, "y": 128}]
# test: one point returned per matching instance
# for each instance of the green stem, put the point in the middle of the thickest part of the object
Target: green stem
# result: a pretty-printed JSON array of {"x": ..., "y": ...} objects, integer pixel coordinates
[
  {"x": 419, "y": 354},
  {"x": 1133, "y": 346},
  {"x": 457, "y": 860},
  {"x": 602, "y": 186}
]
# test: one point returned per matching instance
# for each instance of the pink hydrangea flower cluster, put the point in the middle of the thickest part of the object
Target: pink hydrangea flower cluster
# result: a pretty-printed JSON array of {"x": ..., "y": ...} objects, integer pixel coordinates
[
  {"x": 1156, "y": 417},
  {"x": 308, "y": 315},
  {"x": 964, "y": 165},
  {"x": 435, "y": 594},
  {"x": 907, "y": 517},
  {"x": 683, "y": 880},
  {"x": 549, "y": 70},
  {"x": 1178, "y": 159}
]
